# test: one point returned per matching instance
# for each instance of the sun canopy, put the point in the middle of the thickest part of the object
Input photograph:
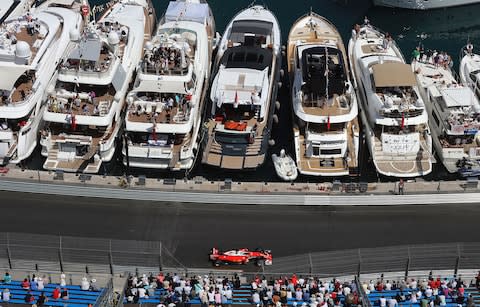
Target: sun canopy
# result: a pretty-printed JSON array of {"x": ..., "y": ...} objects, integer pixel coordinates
[
  {"x": 88, "y": 50},
  {"x": 391, "y": 74},
  {"x": 179, "y": 10}
]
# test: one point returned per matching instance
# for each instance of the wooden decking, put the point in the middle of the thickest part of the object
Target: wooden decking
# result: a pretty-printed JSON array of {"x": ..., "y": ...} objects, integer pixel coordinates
[
  {"x": 214, "y": 155},
  {"x": 326, "y": 166},
  {"x": 322, "y": 107}
]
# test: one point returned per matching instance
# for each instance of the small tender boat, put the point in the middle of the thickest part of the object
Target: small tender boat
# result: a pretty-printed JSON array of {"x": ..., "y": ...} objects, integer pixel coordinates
[{"x": 285, "y": 166}]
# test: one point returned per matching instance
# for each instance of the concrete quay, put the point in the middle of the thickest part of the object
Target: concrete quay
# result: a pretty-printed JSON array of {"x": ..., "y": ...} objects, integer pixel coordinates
[{"x": 198, "y": 190}]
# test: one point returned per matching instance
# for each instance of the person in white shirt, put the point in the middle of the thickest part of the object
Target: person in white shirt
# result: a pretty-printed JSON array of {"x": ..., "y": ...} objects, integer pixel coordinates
[
  {"x": 383, "y": 301},
  {"x": 392, "y": 302},
  {"x": 85, "y": 284},
  {"x": 413, "y": 298},
  {"x": 142, "y": 293},
  {"x": 388, "y": 286},
  {"x": 413, "y": 284},
  {"x": 40, "y": 284},
  {"x": 6, "y": 295},
  {"x": 63, "y": 281},
  {"x": 347, "y": 291},
  {"x": 429, "y": 292},
  {"x": 256, "y": 297}
]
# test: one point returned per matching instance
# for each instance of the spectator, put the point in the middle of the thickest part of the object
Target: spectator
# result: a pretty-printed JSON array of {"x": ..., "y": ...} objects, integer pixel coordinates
[
  {"x": 256, "y": 298},
  {"x": 56, "y": 293},
  {"x": 40, "y": 284},
  {"x": 65, "y": 294},
  {"x": 34, "y": 284},
  {"x": 383, "y": 301},
  {"x": 63, "y": 281},
  {"x": 29, "y": 298},
  {"x": 93, "y": 285},
  {"x": 6, "y": 296},
  {"x": 25, "y": 284},
  {"x": 8, "y": 279},
  {"x": 42, "y": 299},
  {"x": 85, "y": 286}
]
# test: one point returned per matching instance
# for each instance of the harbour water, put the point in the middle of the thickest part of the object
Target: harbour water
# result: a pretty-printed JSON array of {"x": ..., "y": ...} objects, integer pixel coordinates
[{"x": 442, "y": 29}]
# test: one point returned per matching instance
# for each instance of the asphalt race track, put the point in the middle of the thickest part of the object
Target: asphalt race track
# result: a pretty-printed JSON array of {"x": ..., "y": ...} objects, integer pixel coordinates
[{"x": 190, "y": 230}]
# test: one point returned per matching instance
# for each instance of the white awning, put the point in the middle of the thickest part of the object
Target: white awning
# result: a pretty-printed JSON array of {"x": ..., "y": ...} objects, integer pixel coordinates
[
  {"x": 179, "y": 10},
  {"x": 10, "y": 75}
]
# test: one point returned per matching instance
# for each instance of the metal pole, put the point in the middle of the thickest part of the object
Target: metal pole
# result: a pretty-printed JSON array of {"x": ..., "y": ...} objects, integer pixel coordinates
[
  {"x": 359, "y": 269},
  {"x": 160, "y": 260},
  {"x": 457, "y": 262},
  {"x": 60, "y": 255},
  {"x": 407, "y": 267},
  {"x": 8, "y": 252},
  {"x": 311, "y": 262},
  {"x": 110, "y": 257}
]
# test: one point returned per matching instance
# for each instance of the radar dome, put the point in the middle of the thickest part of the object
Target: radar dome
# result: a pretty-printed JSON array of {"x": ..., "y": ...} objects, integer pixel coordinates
[
  {"x": 113, "y": 38},
  {"x": 22, "y": 53},
  {"x": 74, "y": 35},
  {"x": 149, "y": 46}
]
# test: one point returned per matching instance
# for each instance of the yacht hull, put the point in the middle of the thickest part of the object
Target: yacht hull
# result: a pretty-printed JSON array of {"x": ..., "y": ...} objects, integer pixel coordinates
[{"x": 423, "y": 4}]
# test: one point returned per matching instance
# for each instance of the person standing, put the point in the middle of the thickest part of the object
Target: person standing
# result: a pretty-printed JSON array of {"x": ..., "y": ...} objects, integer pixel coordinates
[{"x": 401, "y": 184}]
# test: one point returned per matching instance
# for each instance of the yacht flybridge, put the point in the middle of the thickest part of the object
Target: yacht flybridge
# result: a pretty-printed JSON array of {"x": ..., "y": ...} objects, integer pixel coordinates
[
  {"x": 454, "y": 112},
  {"x": 85, "y": 101},
  {"x": 30, "y": 49},
  {"x": 393, "y": 112},
  {"x": 326, "y": 129},
  {"x": 243, "y": 91},
  {"x": 163, "y": 119}
]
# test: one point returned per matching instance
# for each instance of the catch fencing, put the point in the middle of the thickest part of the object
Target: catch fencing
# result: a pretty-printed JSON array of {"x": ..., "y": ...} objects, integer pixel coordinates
[{"x": 33, "y": 252}]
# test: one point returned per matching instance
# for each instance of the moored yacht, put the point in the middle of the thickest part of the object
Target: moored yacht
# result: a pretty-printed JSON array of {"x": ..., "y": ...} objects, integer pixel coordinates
[
  {"x": 30, "y": 49},
  {"x": 85, "y": 101},
  {"x": 423, "y": 4},
  {"x": 163, "y": 119},
  {"x": 326, "y": 129},
  {"x": 393, "y": 112},
  {"x": 454, "y": 113},
  {"x": 14, "y": 8},
  {"x": 243, "y": 91},
  {"x": 470, "y": 69}
]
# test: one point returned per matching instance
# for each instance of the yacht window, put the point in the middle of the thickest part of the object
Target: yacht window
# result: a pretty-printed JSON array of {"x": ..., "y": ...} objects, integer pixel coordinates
[{"x": 335, "y": 151}]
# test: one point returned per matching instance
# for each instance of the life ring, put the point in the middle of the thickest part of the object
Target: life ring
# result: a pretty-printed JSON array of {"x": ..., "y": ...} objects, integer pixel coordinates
[{"x": 85, "y": 10}]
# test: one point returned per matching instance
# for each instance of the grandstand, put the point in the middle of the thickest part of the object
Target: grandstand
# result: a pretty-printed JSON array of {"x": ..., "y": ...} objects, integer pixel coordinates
[{"x": 76, "y": 296}]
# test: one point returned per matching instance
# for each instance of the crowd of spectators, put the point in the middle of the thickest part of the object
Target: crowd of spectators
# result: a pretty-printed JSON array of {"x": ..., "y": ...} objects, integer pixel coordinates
[
  {"x": 34, "y": 284},
  {"x": 309, "y": 291},
  {"x": 428, "y": 292},
  {"x": 171, "y": 290}
]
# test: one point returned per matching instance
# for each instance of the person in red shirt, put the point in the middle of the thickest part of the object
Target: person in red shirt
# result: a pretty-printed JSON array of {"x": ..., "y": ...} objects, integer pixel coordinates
[
  {"x": 294, "y": 280},
  {"x": 56, "y": 293},
  {"x": 26, "y": 284}
]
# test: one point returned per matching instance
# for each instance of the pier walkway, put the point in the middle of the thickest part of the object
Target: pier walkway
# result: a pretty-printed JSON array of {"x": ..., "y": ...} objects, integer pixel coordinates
[{"x": 200, "y": 190}]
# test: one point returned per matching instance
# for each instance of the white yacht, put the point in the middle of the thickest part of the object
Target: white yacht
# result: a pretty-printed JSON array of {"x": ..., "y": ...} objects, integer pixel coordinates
[
  {"x": 86, "y": 99},
  {"x": 243, "y": 91},
  {"x": 326, "y": 129},
  {"x": 164, "y": 113},
  {"x": 30, "y": 49},
  {"x": 423, "y": 4},
  {"x": 470, "y": 69},
  {"x": 393, "y": 113},
  {"x": 13, "y": 8},
  {"x": 454, "y": 113}
]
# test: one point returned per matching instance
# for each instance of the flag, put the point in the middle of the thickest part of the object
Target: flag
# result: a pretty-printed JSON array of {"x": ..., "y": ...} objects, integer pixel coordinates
[
  {"x": 235, "y": 102},
  {"x": 328, "y": 123},
  {"x": 402, "y": 125},
  {"x": 74, "y": 123}
]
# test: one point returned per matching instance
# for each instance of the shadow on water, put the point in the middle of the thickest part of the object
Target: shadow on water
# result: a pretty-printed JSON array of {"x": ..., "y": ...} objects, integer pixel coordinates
[{"x": 442, "y": 29}]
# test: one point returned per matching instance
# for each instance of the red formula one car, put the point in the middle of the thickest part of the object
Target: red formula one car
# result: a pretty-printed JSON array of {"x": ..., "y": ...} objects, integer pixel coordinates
[{"x": 241, "y": 256}]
